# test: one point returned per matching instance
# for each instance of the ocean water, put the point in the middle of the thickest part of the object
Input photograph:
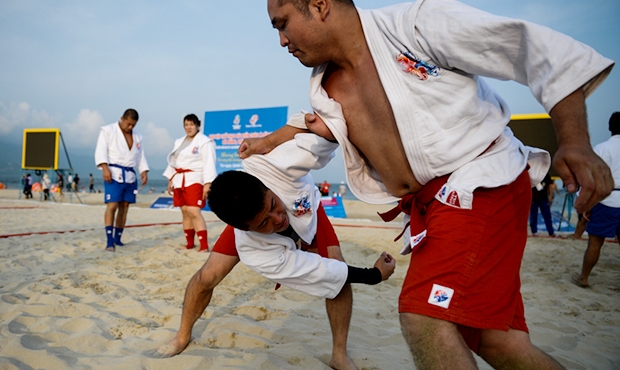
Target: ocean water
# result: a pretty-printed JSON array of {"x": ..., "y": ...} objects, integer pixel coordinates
[{"x": 154, "y": 185}]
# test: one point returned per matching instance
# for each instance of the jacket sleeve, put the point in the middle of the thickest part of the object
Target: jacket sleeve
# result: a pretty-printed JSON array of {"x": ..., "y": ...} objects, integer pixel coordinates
[
  {"x": 209, "y": 171},
  {"x": 293, "y": 159},
  {"x": 101, "y": 150},
  {"x": 303, "y": 271},
  {"x": 551, "y": 64},
  {"x": 142, "y": 165}
]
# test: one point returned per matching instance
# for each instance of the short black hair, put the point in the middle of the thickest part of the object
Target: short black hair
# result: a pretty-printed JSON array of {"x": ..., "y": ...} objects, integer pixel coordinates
[
  {"x": 236, "y": 198},
  {"x": 614, "y": 123},
  {"x": 192, "y": 118},
  {"x": 131, "y": 113},
  {"x": 303, "y": 6}
]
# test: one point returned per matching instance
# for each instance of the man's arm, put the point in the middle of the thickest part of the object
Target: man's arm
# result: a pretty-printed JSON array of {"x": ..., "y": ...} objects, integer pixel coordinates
[
  {"x": 575, "y": 161},
  {"x": 266, "y": 144},
  {"x": 197, "y": 297}
]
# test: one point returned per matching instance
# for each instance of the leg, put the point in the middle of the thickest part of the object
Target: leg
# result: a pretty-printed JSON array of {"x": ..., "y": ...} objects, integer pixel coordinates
[
  {"x": 590, "y": 258},
  {"x": 198, "y": 223},
  {"x": 339, "y": 312},
  {"x": 513, "y": 349},
  {"x": 580, "y": 228},
  {"x": 121, "y": 217},
  {"x": 545, "y": 210},
  {"x": 197, "y": 297},
  {"x": 187, "y": 219},
  {"x": 435, "y": 344},
  {"x": 188, "y": 228},
  {"x": 108, "y": 220},
  {"x": 534, "y": 218}
]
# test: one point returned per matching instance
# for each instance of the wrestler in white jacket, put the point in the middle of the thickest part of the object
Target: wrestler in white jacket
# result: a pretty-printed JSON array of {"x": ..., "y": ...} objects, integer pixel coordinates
[
  {"x": 285, "y": 171},
  {"x": 447, "y": 116},
  {"x": 112, "y": 149},
  {"x": 198, "y": 157}
]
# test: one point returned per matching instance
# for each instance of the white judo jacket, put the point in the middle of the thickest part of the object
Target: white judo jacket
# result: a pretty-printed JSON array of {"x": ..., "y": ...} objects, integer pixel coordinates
[
  {"x": 198, "y": 157},
  {"x": 112, "y": 149},
  {"x": 429, "y": 56},
  {"x": 285, "y": 171}
]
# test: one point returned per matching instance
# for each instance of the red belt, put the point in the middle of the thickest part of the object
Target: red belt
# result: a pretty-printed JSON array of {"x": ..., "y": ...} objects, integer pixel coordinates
[
  {"x": 415, "y": 205},
  {"x": 181, "y": 170}
]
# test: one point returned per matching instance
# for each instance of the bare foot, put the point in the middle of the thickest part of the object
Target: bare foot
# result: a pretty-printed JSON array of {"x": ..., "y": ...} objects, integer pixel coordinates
[
  {"x": 577, "y": 280},
  {"x": 342, "y": 363},
  {"x": 110, "y": 249},
  {"x": 172, "y": 348}
]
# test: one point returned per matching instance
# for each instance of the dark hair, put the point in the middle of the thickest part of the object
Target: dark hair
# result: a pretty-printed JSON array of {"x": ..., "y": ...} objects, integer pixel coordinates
[
  {"x": 614, "y": 123},
  {"x": 192, "y": 118},
  {"x": 131, "y": 113},
  {"x": 236, "y": 198},
  {"x": 303, "y": 6}
]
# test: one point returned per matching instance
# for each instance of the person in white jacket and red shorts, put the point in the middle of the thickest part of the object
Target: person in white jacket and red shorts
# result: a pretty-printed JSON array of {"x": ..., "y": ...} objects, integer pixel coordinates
[{"x": 191, "y": 168}]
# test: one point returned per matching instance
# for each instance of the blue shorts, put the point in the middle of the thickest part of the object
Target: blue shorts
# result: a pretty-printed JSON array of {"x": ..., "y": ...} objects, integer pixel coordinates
[
  {"x": 120, "y": 192},
  {"x": 604, "y": 221}
]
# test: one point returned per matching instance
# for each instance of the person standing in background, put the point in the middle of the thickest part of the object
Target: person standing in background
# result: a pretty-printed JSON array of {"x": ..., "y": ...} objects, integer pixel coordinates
[
  {"x": 190, "y": 171},
  {"x": 91, "y": 183},
  {"x": 542, "y": 195},
  {"x": 60, "y": 183},
  {"x": 45, "y": 185},
  {"x": 75, "y": 185},
  {"x": 604, "y": 220},
  {"x": 119, "y": 149},
  {"x": 324, "y": 188},
  {"x": 342, "y": 189},
  {"x": 70, "y": 182}
]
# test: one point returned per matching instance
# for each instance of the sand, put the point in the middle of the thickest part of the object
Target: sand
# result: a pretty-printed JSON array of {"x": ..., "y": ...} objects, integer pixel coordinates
[{"x": 66, "y": 303}]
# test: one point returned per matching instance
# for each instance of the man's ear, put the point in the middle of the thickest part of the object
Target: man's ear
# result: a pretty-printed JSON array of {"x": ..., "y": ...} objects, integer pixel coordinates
[{"x": 322, "y": 7}]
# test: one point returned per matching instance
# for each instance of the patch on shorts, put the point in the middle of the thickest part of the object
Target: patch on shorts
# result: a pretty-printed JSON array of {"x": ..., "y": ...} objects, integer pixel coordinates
[
  {"x": 452, "y": 198},
  {"x": 199, "y": 202},
  {"x": 441, "y": 296}
]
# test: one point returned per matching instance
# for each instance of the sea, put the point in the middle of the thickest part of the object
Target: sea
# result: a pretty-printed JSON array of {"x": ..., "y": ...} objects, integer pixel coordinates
[{"x": 154, "y": 186}]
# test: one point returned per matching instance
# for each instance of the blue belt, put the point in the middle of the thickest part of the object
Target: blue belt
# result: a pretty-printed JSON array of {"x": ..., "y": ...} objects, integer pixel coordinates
[{"x": 125, "y": 169}]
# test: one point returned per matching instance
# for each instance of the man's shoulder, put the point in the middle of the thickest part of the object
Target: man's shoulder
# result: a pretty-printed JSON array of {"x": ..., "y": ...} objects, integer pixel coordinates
[{"x": 109, "y": 127}]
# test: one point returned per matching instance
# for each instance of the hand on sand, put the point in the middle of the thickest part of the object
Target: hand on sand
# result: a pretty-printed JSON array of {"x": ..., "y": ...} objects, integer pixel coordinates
[
  {"x": 386, "y": 264},
  {"x": 172, "y": 348}
]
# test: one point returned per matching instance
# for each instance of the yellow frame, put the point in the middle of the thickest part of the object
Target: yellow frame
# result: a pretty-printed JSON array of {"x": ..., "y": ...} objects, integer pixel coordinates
[
  {"x": 529, "y": 116},
  {"x": 40, "y": 130}
]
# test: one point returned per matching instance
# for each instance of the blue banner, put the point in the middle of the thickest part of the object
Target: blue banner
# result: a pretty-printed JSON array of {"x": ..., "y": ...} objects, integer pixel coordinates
[{"x": 230, "y": 127}]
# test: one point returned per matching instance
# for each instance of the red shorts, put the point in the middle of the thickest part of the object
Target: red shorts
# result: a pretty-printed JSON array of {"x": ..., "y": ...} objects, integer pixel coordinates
[
  {"x": 189, "y": 196},
  {"x": 467, "y": 271},
  {"x": 325, "y": 237}
]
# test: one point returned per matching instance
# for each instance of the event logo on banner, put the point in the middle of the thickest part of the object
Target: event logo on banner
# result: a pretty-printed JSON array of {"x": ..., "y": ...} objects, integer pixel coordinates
[{"x": 228, "y": 128}]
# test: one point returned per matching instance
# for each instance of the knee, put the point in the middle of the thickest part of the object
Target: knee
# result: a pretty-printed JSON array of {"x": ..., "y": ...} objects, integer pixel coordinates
[{"x": 497, "y": 345}]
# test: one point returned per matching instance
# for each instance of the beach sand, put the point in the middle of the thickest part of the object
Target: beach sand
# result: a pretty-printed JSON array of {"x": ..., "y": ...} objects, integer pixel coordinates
[{"x": 65, "y": 303}]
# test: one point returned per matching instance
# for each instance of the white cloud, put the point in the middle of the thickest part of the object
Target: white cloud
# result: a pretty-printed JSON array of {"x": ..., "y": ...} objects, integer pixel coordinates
[
  {"x": 84, "y": 130},
  {"x": 15, "y": 117},
  {"x": 157, "y": 140}
]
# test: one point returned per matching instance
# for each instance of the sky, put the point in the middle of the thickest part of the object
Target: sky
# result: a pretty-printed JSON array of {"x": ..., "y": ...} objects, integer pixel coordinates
[{"x": 78, "y": 64}]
